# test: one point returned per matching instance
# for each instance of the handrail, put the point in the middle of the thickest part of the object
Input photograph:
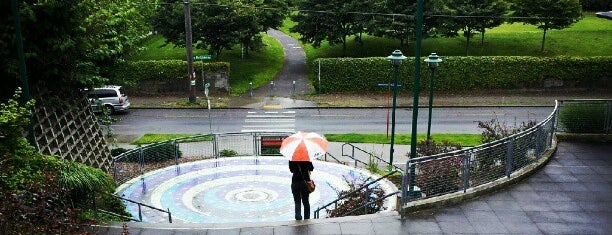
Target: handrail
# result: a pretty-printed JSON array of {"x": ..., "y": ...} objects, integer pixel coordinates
[
  {"x": 496, "y": 142},
  {"x": 140, "y": 204},
  {"x": 316, "y": 212},
  {"x": 332, "y": 156},
  {"x": 371, "y": 155},
  {"x": 370, "y": 203}
]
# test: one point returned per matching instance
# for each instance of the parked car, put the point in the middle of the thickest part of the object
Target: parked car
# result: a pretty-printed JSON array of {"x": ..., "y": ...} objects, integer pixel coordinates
[{"x": 112, "y": 98}]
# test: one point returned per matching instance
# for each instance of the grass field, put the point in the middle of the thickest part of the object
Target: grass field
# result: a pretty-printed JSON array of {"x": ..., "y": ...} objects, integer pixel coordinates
[
  {"x": 588, "y": 37},
  {"x": 258, "y": 67},
  {"x": 464, "y": 140}
]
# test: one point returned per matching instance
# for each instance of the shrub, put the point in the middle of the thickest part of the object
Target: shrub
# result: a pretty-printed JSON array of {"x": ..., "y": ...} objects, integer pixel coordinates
[
  {"x": 118, "y": 151},
  {"x": 357, "y": 199},
  {"x": 494, "y": 130},
  {"x": 228, "y": 153},
  {"x": 439, "y": 176},
  {"x": 130, "y": 74},
  {"x": 582, "y": 117},
  {"x": 463, "y": 73}
]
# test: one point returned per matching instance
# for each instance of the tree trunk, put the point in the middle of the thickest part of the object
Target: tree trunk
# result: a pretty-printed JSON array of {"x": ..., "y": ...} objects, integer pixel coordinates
[
  {"x": 543, "y": 39},
  {"x": 344, "y": 46},
  {"x": 482, "y": 32},
  {"x": 467, "y": 43}
]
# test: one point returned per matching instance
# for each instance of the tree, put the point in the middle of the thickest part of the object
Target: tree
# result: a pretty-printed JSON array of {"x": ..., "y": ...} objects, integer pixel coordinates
[
  {"x": 330, "y": 20},
  {"x": 218, "y": 25},
  {"x": 66, "y": 41},
  {"x": 473, "y": 15},
  {"x": 548, "y": 14}
]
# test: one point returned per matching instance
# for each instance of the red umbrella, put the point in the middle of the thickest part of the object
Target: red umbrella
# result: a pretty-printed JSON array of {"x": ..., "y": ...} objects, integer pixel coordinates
[{"x": 304, "y": 146}]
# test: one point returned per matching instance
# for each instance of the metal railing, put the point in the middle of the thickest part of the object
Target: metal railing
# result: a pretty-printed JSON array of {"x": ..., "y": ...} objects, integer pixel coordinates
[
  {"x": 446, "y": 173},
  {"x": 138, "y": 161},
  {"x": 358, "y": 190},
  {"x": 139, "y": 204},
  {"x": 593, "y": 116},
  {"x": 372, "y": 158}
]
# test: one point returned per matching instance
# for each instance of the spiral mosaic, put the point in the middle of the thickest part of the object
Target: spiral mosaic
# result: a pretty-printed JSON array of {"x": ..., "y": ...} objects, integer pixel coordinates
[{"x": 239, "y": 189}]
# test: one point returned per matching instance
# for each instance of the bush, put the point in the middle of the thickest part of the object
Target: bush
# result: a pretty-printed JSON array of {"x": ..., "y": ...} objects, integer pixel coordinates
[
  {"x": 228, "y": 153},
  {"x": 596, "y": 5},
  {"x": 464, "y": 73},
  {"x": 130, "y": 74},
  {"x": 494, "y": 130},
  {"x": 355, "y": 200},
  {"x": 582, "y": 117},
  {"x": 438, "y": 176},
  {"x": 118, "y": 151}
]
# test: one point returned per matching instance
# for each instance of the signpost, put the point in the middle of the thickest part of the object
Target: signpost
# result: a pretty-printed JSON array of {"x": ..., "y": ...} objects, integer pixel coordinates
[
  {"x": 206, "y": 86},
  {"x": 202, "y": 58}
]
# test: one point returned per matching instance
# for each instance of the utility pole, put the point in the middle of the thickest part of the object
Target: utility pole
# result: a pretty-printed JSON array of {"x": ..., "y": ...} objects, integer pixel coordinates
[
  {"x": 22, "y": 69},
  {"x": 189, "y": 47}
]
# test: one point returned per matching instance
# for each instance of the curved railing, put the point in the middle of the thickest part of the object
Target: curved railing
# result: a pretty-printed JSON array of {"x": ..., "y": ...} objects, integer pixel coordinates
[{"x": 458, "y": 171}]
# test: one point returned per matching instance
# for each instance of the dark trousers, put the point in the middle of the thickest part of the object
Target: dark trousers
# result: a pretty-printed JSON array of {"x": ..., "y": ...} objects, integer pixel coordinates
[{"x": 300, "y": 196}]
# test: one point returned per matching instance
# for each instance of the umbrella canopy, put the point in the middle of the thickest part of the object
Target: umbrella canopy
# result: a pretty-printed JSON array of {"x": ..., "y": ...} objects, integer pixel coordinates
[{"x": 304, "y": 146}]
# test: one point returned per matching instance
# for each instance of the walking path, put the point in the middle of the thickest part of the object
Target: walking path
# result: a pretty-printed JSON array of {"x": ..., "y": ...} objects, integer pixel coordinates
[{"x": 570, "y": 195}]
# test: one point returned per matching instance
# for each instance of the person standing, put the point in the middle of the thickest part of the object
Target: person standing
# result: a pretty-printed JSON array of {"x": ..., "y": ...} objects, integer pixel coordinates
[{"x": 301, "y": 172}]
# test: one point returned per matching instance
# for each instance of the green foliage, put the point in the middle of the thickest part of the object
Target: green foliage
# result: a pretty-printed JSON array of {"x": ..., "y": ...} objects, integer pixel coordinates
[
  {"x": 582, "y": 117},
  {"x": 219, "y": 24},
  {"x": 84, "y": 180},
  {"x": 150, "y": 138},
  {"x": 596, "y": 5},
  {"x": 130, "y": 73},
  {"x": 118, "y": 151},
  {"x": 13, "y": 118},
  {"x": 485, "y": 14},
  {"x": 463, "y": 73},
  {"x": 548, "y": 14},
  {"x": 228, "y": 153},
  {"x": 462, "y": 139},
  {"x": 494, "y": 130}
]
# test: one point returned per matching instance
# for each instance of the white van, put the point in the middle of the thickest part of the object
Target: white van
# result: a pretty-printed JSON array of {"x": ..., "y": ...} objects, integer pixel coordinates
[{"x": 112, "y": 98}]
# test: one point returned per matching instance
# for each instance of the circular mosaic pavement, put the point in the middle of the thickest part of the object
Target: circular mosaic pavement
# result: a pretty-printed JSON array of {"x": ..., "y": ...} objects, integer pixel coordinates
[{"x": 239, "y": 189}]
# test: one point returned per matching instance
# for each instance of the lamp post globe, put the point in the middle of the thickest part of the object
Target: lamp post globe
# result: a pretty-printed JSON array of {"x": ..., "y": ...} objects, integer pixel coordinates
[{"x": 396, "y": 59}]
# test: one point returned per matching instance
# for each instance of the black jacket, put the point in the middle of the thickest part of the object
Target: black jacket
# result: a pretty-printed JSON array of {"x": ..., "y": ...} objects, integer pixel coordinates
[{"x": 304, "y": 166}]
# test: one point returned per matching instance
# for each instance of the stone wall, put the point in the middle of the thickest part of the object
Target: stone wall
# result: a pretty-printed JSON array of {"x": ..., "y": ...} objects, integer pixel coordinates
[{"x": 71, "y": 131}]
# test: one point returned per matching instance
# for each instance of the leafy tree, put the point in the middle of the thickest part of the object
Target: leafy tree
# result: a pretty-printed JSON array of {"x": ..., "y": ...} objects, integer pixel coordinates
[
  {"x": 548, "y": 14},
  {"x": 66, "y": 41},
  {"x": 218, "y": 25},
  {"x": 473, "y": 15},
  {"x": 330, "y": 20}
]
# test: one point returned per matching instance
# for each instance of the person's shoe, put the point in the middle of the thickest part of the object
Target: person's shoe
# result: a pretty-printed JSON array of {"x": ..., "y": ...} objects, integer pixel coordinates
[{"x": 298, "y": 218}]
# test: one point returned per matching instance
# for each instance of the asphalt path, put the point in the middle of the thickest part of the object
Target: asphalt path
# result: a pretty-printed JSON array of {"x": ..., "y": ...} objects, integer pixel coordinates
[{"x": 324, "y": 120}]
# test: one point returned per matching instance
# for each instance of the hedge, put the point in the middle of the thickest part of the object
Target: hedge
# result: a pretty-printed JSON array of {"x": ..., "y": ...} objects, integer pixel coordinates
[
  {"x": 463, "y": 73},
  {"x": 130, "y": 73}
]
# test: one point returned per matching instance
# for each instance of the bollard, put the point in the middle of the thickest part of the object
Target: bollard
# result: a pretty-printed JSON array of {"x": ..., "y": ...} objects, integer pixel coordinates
[
  {"x": 251, "y": 88},
  {"x": 271, "y": 88},
  {"x": 293, "y": 89}
]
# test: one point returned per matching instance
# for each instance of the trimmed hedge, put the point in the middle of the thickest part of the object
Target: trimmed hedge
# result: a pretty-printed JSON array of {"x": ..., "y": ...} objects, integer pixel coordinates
[
  {"x": 130, "y": 73},
  {"x": 464, "y": 73}
]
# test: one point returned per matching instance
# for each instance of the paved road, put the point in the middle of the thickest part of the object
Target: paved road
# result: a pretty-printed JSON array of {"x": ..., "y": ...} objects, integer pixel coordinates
[{"x": 445, "y": 120}]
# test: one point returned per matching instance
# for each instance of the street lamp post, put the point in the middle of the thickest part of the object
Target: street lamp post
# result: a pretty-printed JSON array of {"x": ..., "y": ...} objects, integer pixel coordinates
[
  {"x": 396, "y": 59},
  {"x": 433, "y": 61}
]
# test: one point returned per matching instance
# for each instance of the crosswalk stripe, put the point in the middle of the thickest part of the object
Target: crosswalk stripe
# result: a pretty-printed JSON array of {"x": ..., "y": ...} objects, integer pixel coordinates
[{"x": 269, "y": 121}]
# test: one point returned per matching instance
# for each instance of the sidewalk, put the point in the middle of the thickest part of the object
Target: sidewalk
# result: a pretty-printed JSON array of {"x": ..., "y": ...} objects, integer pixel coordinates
[
  {"x": 467, "y": 98},
  {"x": 570, "y": 195}
]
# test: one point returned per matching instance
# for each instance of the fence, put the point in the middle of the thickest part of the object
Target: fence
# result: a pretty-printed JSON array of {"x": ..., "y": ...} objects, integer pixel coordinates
[
  {"x": 140, "y": 160},
  {"x": 446, "y": 173},
  {"x": 584, "y": 116}
]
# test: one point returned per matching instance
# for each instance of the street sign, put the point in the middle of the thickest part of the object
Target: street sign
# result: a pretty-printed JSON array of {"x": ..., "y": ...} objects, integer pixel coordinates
[{"x": 202, "y": 57}]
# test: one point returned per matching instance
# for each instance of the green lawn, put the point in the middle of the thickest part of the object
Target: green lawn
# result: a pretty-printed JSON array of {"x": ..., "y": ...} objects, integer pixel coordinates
[
  {"x": 258, "y": 67},
  {"x": 464, "y": 140},
  {"x": 588, "y": 37},
  {"x": 150, "y": 138}
]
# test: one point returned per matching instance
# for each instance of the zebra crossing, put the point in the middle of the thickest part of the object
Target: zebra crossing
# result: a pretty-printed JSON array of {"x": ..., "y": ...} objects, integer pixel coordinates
[{"x": 269, "y": 121}]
